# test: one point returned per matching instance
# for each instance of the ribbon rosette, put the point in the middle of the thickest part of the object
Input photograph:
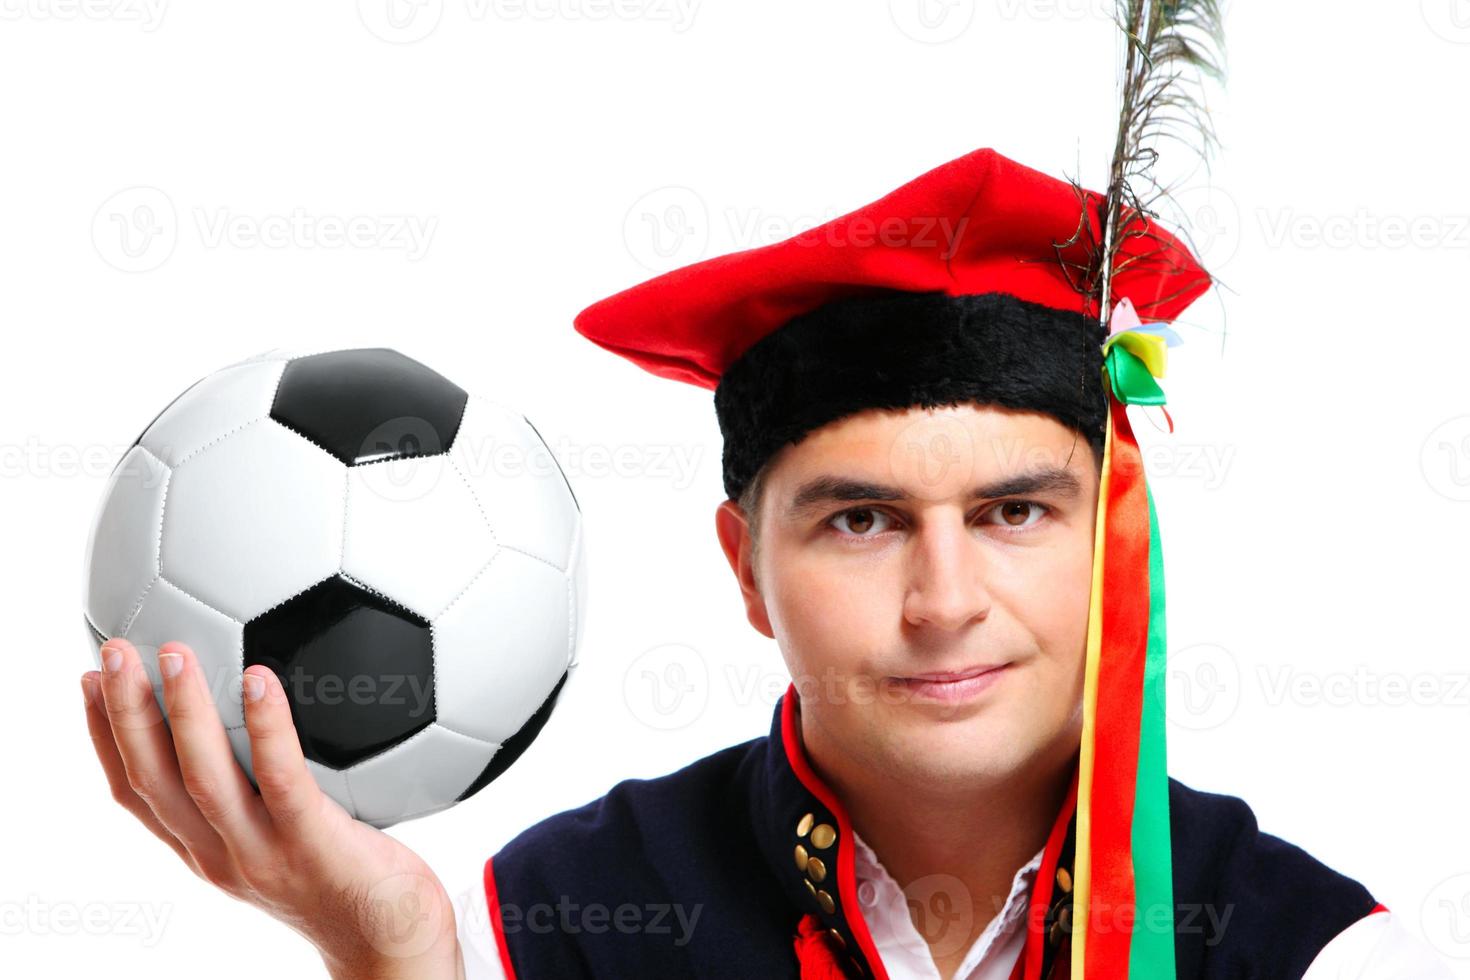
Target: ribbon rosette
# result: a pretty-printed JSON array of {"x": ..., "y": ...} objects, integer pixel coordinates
[{"x": 1135, "y": 354}]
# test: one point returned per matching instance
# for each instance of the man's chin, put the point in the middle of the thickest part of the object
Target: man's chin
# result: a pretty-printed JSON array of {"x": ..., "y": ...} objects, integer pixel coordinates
[
  {"x": 966, "y": 732},
  {"x": 970, "y": 764}
]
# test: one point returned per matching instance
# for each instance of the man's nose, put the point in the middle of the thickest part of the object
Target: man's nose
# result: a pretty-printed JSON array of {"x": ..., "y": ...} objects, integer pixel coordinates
[{"x": 946, "y": 576}]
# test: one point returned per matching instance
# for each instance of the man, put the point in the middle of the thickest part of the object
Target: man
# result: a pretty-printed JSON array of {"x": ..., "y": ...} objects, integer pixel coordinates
[
  {"x": 935, "y": 508},
  {"x": 916, "y": 430}
]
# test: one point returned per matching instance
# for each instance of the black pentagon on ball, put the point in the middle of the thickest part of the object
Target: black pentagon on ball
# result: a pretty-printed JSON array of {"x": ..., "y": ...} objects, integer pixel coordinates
[
  {"x": 369, "y": 405},
  {"x": 357, "y": 668}
]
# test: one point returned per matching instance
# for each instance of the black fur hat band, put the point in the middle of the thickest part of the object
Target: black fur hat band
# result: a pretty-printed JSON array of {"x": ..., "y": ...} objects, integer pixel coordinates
[{"x": 899, "y": 349}]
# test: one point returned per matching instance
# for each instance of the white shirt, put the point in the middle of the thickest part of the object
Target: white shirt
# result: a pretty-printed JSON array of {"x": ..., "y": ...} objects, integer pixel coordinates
[
  {"x": 902, "y": 946},
  {"x": 1376, "y": 947}
]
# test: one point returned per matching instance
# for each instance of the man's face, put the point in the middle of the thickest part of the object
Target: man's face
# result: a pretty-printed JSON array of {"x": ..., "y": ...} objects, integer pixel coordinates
[{"x": 900, "y": 545}]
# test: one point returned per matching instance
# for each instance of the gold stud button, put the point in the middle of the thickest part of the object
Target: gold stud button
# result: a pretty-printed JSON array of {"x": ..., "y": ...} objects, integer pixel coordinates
[
  {"x": 823, "y": 835},
  {"x": 825, "y": 901},
  {"x": 1064, "y": 880},
  {"x": 804, "y": 825},
  {"x": 816, "y": 868},
  {"x": 801, "y": 859},
  {"x": 810, "y": 887},
  {"x": 1064, "y": 918},
  {"x": 836, "y": 937}
]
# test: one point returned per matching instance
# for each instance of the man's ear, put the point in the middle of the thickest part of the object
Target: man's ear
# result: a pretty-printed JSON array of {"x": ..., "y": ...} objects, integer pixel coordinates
[{"x": 734, "y": 533}]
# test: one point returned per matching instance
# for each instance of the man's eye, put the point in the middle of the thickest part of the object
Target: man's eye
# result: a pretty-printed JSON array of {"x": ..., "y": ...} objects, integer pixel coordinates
[
  {"x": 1015, "y": 514},
  {"x": 859, "y": 520}
]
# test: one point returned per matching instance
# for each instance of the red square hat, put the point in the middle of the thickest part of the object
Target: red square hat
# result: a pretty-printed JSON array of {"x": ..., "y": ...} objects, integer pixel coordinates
[{"x": 976, "y": 281}]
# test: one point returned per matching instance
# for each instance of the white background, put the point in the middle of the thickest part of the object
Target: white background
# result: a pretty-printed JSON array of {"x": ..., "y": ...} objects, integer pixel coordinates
[{"x": 1315, "y": 503}]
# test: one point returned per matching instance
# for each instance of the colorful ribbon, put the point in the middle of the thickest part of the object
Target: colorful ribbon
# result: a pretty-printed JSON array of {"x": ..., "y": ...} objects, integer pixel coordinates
[
  {"x": 1123, "y": 908},
  {"x": 1135, "y": 354}
]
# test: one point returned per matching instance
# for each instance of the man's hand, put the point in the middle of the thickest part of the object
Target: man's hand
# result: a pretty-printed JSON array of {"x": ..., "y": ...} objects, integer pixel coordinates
[{"x": 371, "y": 906}]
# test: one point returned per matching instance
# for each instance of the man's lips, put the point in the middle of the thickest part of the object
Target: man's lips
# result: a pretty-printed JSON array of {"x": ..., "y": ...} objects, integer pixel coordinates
[
  {"x": 946, "y": 676},
  {"x": 953, "y": 686}
]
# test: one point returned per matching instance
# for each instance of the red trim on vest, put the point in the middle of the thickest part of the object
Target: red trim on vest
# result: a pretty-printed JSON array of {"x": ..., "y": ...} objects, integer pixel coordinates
[
  {"x": 846, "y": 873},
  {"x": 492, "y": 902},
  {"x": 1380, "y": 907},
  {"x": 1028, "y": 966}
]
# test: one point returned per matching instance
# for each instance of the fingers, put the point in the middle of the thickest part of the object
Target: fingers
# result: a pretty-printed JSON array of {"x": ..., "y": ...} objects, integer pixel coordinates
[
  {"x": 291, "y": 795},
  {"x": 207, "y": 766},
  {"x": 112, "y": 767},
  {"x": 148, "y": 759}
]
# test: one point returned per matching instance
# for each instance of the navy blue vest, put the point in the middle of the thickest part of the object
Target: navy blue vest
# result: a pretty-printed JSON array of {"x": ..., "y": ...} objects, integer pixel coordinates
[{"x": 697, "y": 874}]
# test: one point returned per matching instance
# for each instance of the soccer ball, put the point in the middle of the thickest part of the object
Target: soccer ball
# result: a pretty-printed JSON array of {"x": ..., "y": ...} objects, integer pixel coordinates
[{"x": 405, "y": 556}]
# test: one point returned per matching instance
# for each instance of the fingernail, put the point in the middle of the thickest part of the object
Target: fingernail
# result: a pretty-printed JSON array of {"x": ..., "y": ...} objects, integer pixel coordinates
[
  {"x": 89, "y": 689},
  {"x": 254, "y": 687},
  {"x": 111, "y": 658},
  {"x": 170, "y": 663}
]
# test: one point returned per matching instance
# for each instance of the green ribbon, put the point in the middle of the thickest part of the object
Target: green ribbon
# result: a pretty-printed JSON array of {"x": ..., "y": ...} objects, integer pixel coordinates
[
  {"x": 1131, "y": 380},
  {"x": 1151, "y": 952},
  {"x": 1151, "y": 947}
]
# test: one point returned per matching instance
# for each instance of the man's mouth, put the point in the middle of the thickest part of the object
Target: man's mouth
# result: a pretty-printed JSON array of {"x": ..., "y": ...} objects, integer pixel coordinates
[{"x": 953, "y": 685}]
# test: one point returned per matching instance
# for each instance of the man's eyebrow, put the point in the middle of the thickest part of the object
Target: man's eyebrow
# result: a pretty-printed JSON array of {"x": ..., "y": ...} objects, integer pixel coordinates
[{"x": 828, "y": 489}]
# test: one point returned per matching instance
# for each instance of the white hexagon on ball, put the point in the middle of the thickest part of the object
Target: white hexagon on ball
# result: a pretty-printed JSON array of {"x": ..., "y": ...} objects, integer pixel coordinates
[{"x": 253, "y": 519}]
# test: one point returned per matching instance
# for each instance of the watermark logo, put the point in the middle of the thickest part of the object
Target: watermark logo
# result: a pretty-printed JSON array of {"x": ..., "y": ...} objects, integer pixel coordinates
[
  {"x": 408, "y": 233},
  {"x": 136, "y": 229},
  {"x": 1445, "y": 459},
  {"x": 400, "y": 21},
  {"x": 1201, "y": 687},
  {"x": 938, "y": 451},
  {"x": 35, "y": 916},
  {"x": 1057, "y": 9},
  {"x": 147, "y": 14},
  {"x": 401, "y": 916},
  {"x": 667, "y": 687},
  {"x": 679, "y": 14},
  {"x": 1212, "y": 219},
  {"x": 942, "y": 910},
  {"x": 1364, "y": 687},
  {"x": 1363, "y": 229},
  {"x": 35, "y": 459},
  {"x": 1449, "y": 19},
  {"x": 406, "y": 459},
  {"x": 408, "y": 21},
  {"x": 1445, "y": 916},
  {"x": 932, "y": 21},
  {"x": 667, "y": 228}
]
